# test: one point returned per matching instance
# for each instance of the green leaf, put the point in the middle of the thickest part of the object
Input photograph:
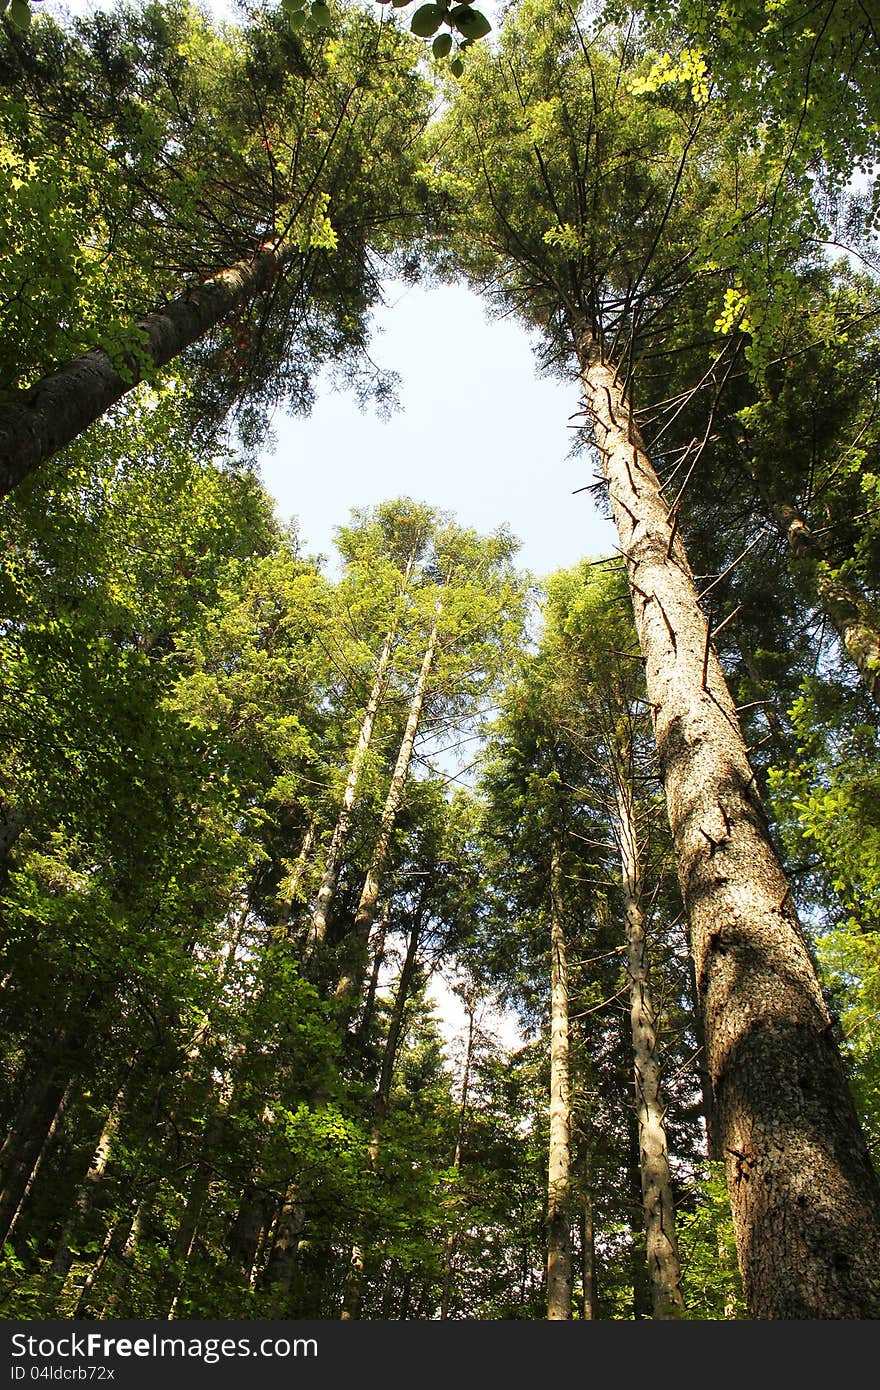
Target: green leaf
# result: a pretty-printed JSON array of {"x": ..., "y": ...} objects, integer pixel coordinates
[
  {"x": 427, "y": 20},
  {"x": 470, "y": 22},
  {"x": 321, "y": 14},
  {"x": 20, "y": 13},
  {"x": 456, "y": 67},
  {"x": 441, "y": 45}
]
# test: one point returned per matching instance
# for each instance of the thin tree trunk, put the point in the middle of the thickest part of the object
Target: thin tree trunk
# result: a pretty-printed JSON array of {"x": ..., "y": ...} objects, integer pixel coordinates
[
  {"x": 353, "y": 1298},
  {"x": 804, "y": 1196},
  {"x": 664, "y": 1268},
  {"x": 854, "y": 619},
  {"x": 62, "y": 1262},
  {"x": 57, "y": 409},
  {"x": 588, "y": 1258},
  {"x": 27, "y": 1147},
  {"x": 559, "y": 1277},
  {"x": 365, "y": 916},
  {"x": 327, "y": 890},
  {"x": 451, "y": 1239},
  {"x": 366, "y": 1018}
]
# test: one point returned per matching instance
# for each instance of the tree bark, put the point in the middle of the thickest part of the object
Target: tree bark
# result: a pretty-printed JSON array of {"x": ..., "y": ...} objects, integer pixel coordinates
[
  {"x": 452, "y": 1238},
  {"x": 664, "y": 1269},
  {"x": 559, "y": 1275},
  {"x": 804, "y": 1195},
  {"x": 26, "y": 1147},
  {"x": 353, "y": 1297},
  {"x": 365, "y": 916},
  {"x": 57, "y": 409},
  {"x": 588, "y": 1258},
  {"x": 327, "y": 890}
]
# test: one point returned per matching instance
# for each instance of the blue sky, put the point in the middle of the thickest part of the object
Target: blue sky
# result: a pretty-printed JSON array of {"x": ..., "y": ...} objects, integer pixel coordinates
[
  {"x": 478, "y": 433},
  {"x": 489, "y": 443}
]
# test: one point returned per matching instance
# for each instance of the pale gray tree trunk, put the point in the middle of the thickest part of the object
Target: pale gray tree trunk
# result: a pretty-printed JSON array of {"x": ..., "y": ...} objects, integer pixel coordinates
[
  {"x": 559, "y": 1274},
  {"x": 804, "y": 1195},
  {"x": 664, "y": 1268},
  {"x": 451, "y": 1239},
  {"x": 57, "y": 409},
  {"x": 327, "y": 890},
  {"x": 365, "y": 916}
]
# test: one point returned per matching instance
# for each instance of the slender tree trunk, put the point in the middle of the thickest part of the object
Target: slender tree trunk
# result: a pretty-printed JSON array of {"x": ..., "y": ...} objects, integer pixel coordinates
[
  {"x": 353, "y": 1298},
  {"x": 559, "y": 1276},
  {"x": 365, "y": 916},
  {"x": 588, "y": 1258},
  {"x": 452, "y": 1238},
  {"x": 366, "y": 1018},
  {"x": 327, "y": 890},
  {"x": 664, "y": 1268},
  {"x": 27, "y": 1147},
  {"x": 804, "y": 1196},
  {"x": 58, "y": 408},
  {"x": 190, "y": 1220},
  {"x": 62, "y": 1262},
  {"x": 854, "y": 619}
]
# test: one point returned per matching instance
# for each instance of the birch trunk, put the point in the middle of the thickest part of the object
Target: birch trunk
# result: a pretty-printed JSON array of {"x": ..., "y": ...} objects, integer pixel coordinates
[
  {"x": 664, "y": 1269},
  {"x": 804, "y": 1196},
  {"x": 559, "y": 1276},
  {"x": 365, "y": 916},
  {"x": 57, "y": 409},
  {"x": 854, "y": 619}
]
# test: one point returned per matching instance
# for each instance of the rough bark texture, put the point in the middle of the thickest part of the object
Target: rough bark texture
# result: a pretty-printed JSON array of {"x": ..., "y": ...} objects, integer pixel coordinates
[
  {"x": 559, "y": 1280},
  {"x": 58, "y": 408},
  {"x": 365, "y": 916},
  {"x": 805, "y": 1199},
  {"x": 664, "y": 1269}
]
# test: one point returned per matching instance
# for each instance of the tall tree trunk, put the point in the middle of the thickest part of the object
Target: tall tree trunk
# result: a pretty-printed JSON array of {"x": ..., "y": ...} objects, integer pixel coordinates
[
  {"x": 451, "y": 1239},
  {"x": 804, "y": 1195},
  {"x": 58, "y": 408},
  {"x": 854, "y": 619},
  {"x": 27, "y": 1147},
  {"x": 62, "y": 1262},
  {"x": 327, "y": 890},
  {"x": 366, "y": 1019},
  {"x": 353, "y": 1298},
  {"x": 588, "y": 1257},
  {"x": 559, "y": 1279},
  {"x": 664, "y": 1268},
  {"x": 351, "y": 979}
]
